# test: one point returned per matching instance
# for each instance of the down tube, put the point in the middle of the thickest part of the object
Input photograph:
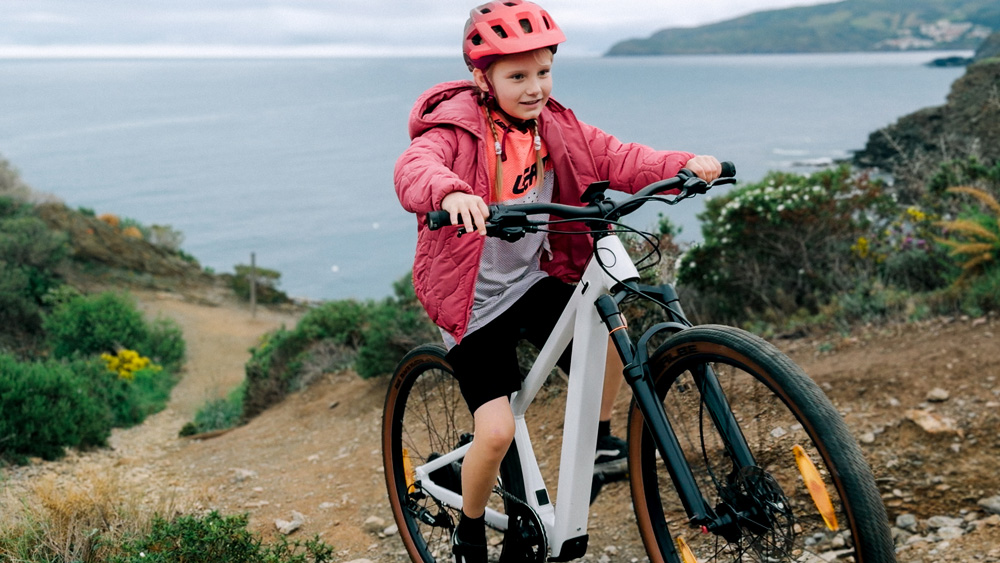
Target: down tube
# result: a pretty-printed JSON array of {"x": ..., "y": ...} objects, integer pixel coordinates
[{"x": 583, "y": 405}]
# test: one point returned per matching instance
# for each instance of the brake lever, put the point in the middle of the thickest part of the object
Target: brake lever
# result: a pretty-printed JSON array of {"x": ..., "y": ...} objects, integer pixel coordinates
[
  {"x": 722, "y": 181},
  {"x": 696, "y": 185}
]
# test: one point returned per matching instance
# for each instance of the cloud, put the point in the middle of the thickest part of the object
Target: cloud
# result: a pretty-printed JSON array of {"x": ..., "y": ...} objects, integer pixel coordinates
[{"x": 590, "y": 25}]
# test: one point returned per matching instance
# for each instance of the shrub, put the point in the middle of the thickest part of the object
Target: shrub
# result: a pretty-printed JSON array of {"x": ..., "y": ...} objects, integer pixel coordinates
[
  {"x": 267, "y": 281},
  {"x": 214, "y": 538},
  {"x": 381, "y": 332},
  {"x": 783, "y": 246},
  {"x": 974, "y": 238},
  {"x": 29, "y": 256},
  {"x": 166, "y": 344},
  {"x": 217, "y": 414},
  {"x": 11, "y": 184},
  {"x": 89, "y": 325},
  {"x": 271, "y": 369},
  {"x": 47, "y": 406},
  {"x": 92, "y": 325}
]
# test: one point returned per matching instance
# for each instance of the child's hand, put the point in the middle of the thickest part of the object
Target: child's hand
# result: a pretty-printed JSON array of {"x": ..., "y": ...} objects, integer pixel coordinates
[
  {"x": 705, "y": 167},
  {"x": 472, "y": 208}
]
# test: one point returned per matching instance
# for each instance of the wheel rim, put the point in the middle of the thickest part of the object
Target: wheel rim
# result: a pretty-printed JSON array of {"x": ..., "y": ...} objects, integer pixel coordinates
[
  {"x": 427, "y": 417},
  {"x": 788, "y": 527}
]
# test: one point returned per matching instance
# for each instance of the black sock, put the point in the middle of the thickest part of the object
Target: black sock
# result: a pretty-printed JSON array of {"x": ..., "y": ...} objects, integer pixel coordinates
[
  {"x": 472, "y": 530},
  {"x": 603, "y": 428}
]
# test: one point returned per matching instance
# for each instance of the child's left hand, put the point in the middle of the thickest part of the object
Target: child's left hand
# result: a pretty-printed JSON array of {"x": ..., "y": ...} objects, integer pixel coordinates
[{"x": 704, "y": 166}]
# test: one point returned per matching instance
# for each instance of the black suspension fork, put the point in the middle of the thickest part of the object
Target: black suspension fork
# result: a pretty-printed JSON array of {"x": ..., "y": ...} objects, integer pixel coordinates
[{"x": 644, "y": 392}]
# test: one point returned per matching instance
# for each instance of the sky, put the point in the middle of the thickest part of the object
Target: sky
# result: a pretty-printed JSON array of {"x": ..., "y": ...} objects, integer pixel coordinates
[{"x": 324, "y": 27}]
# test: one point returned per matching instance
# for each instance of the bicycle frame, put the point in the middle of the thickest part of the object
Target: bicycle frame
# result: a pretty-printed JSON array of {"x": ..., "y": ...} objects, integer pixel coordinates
[{"x": 586, "y": 321}]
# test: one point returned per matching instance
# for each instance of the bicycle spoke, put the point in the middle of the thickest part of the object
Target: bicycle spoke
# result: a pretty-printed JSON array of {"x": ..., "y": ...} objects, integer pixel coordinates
[{"x": 788, "y": 505}]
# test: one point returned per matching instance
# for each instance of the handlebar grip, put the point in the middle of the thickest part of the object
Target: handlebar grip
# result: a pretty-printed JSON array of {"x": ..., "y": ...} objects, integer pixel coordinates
[
  {"x": 728, "y": 169},
  {"x": 438, "y": 219}
]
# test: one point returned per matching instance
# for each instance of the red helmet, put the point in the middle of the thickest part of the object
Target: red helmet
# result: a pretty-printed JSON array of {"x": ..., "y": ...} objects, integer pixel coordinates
[{"x": 505, "y": 27}]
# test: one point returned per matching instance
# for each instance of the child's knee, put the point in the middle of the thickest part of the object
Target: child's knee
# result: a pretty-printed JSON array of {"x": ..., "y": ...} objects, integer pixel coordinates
[
  {"x": 495, "y": 431},
  {"x": 497, "y": 437}
]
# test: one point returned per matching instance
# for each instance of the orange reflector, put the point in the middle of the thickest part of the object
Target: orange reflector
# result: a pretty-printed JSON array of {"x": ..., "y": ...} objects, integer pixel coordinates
[
  {"x": 411, "y": 476},
  {"x": 687, "y": 556},
  {"x": 816, "y": 487}
]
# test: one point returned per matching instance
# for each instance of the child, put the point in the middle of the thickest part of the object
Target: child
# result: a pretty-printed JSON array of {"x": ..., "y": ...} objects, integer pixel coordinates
[{"x": 500, "y": 138}]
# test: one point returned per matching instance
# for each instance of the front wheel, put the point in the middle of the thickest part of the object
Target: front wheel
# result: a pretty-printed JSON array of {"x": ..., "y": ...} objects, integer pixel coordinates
[
  {"x": 809, "y": 495},
  {"x": 424, "y": 418}
]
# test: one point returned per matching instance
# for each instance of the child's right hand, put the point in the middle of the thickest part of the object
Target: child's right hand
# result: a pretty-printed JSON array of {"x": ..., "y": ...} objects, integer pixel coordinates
[{"x": 472, "y": 208}]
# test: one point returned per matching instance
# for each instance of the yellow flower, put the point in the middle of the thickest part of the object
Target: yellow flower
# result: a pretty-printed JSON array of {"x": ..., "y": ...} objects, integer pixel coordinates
[
  {"x": 861, "y": 248},
  {"x": 126, "y": 362},
  {"x": 916, "y": 214}
]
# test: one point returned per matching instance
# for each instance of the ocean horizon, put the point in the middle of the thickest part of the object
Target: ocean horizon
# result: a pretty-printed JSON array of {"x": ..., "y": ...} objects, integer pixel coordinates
[{"x": 291, "y": 158}]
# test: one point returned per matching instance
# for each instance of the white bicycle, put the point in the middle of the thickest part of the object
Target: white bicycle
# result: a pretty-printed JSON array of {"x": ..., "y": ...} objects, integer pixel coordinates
[{"x": 729, "y": 442}]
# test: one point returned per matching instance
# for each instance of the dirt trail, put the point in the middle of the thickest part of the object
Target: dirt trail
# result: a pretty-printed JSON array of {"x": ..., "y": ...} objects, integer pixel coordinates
[{"x": 317, "y": 453}]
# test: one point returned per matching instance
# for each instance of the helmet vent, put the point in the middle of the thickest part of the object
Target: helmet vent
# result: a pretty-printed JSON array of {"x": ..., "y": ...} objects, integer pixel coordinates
[
  {"x": 500, "y": 31},
  {"x": 525, "y": 26},
  {"x": 477, "y": 40},
  {"x": 545, "y": 20}
]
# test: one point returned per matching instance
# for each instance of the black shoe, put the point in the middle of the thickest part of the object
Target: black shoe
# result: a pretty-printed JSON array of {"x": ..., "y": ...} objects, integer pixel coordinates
[
  {"x": 610, "y": 459},
  {"x": 467, "y": 552}
]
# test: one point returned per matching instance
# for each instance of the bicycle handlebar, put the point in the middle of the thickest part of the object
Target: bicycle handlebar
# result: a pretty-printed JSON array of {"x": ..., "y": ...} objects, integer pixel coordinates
[{"x": 598, "y": 206}]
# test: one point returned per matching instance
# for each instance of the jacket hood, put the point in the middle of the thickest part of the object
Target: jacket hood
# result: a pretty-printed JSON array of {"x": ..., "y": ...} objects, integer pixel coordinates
[{"x": 446, "y": 104}]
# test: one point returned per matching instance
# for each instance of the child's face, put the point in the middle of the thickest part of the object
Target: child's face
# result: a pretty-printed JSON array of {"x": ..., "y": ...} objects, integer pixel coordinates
[{"x": 521, "y": 82}]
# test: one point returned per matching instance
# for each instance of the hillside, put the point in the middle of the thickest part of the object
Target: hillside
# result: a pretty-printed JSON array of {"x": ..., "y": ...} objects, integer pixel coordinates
[
  {"x": 849, "y": 25},
  {"x": 968, "y": 123},
  {"x": 317, "y": 453}
]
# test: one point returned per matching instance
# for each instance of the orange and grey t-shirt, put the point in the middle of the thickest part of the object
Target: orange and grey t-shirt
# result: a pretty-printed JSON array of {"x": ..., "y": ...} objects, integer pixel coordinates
[{"x": 508, "y": 269}]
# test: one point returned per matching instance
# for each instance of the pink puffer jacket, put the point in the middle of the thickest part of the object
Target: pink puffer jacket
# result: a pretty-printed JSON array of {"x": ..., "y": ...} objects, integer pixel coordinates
[{"x": 447, "y": 154}]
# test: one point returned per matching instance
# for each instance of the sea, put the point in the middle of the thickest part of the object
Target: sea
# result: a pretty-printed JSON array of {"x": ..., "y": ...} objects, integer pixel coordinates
[{"x": 291, "y": 160}]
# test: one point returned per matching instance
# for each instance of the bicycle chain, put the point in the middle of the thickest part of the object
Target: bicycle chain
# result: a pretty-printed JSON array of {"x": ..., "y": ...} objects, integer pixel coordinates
[{"x": 530, "y": 544}]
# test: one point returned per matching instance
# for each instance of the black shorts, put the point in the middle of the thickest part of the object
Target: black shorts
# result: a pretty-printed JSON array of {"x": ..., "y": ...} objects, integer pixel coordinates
[{"x": 485, "y": 363}]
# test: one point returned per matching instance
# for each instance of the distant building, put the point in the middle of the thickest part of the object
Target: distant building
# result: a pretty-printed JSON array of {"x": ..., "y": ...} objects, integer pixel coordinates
[{"x": 939, "y": 33}]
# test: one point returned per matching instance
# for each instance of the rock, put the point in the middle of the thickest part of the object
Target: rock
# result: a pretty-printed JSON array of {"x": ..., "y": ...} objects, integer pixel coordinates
[
  {"x": 288, "y": 526},
  {"x": 907, "y": 522},
  {"x": 938, "y": 395},
  {"x": 936, "y": 522},
  {"x": 391, "y": 530},
  {"x": 932, "y": 422},
  {"x": 373, "y": 525},
  {"x": 991, "y": 504},
  {"x": 950, "y": 532},
  {"x": 241, "y": 475},
  {"x": 867, "y": 438},
  {"x": 360, "y": 561}
]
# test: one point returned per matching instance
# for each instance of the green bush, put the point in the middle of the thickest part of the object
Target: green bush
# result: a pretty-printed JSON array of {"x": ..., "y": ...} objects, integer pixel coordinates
[
  {"x": 217, "y": 414},
  {"x": 267, "y": 291},
  {"x": 131, "y": 401},
  {"x": 786, "y": 244},
  {"x": 380, "y": 331},
  {"x": 48, "y": 406},
  {"x": 88, "y": 325},
  {"x": 165, "y": 345},
  {"x": 29, "y": 256},
  {"x": 213, "y": 539},
  {"x": 96, "y": 324},
  {"x": 11, "y": 184}
]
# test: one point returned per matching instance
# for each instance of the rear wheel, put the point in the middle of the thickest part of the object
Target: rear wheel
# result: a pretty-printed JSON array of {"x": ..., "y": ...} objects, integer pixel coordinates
[
  {"x": 425, "y": 417},
  {"x": 809, "y": 497}
]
